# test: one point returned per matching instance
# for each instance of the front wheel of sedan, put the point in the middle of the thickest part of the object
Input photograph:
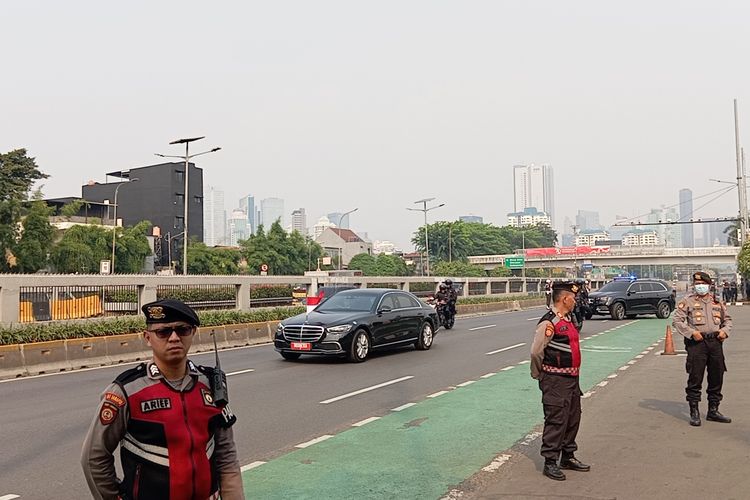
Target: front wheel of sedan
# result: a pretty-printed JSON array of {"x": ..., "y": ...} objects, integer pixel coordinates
[
  {"x": 426, "y": 336},
  {"x": 360, "y": 347}
]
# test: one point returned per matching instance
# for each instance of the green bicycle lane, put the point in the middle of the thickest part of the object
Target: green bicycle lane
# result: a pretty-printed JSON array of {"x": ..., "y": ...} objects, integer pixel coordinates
[{"x": 421, "y": 452}]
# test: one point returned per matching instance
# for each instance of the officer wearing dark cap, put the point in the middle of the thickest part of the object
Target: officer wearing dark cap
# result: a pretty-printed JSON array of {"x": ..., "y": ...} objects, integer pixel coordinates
[
  {"x": 174, "y": 441},
  {"x": 555, "y": 363},
  {"x": 705, "y": 323}
]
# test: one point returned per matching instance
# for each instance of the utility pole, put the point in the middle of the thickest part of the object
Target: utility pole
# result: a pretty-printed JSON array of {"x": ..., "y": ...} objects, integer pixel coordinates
[
  {"x": 426, "y": 240},
  {"x": 741, "y": 187}
]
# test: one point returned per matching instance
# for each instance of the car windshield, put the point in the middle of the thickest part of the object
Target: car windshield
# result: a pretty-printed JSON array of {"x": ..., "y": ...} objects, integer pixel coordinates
[
  {"x": 348, "y": 302},
  {"x": 615, "y": 286}
]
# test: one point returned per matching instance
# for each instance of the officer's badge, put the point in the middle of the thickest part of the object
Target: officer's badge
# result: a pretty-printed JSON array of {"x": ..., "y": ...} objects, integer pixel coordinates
[
  {"x": 154, "y": 370},
  {"x": 156, "y": 312},
  {"x": 208, "y": 399},
  {"x": 574, "y": 288},
  {"x": 681, "y": 305},
  {"x": 108, "y": 413}
]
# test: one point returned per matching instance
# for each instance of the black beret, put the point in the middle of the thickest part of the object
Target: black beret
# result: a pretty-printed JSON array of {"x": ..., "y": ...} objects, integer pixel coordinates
[
  {"x": 569, "y": 286},
  {"x": 169, "y": 311},
  {"x": 701, "y": 276}
]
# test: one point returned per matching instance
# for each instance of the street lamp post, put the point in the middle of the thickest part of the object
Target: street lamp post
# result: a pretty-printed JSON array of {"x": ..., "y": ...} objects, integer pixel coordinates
[
  {"x": 186, "y": 157},
  {"x": 114, "y": 225},
  {"x": 341, "y": 218},
  {"x": 426, "y": 240}
]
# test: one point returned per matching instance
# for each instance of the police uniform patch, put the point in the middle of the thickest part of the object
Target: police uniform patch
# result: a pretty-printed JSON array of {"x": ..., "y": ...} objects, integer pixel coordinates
[
  {"x": 108, "y": 413},
  {"x": 549, "y": 331},
  {"x": 208, "y": 399},
  {"x": 154, "y": 370},
  {"x": 156, "y": 312},
  {"x": 681, "y": 305},
  {"x": 114, "y": 398}
]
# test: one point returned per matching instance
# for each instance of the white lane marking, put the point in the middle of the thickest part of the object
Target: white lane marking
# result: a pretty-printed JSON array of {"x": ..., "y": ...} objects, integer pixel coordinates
[
  {"x": 644, "y": 352},
  {"x": 530, "y": 437},
  {"x": 248, "y": 466},
  {"x": 464, "y": 384},
  {"x": 632, "y": 361},
  {"x": 314, "y": 441},
  {"x": 496, "y": 464},
  {"x": 403, "y": 407},
  {"x": 605, "y": 321},
  {"x": 639, "y": 356},
  {"x": 602, "y": 383},
  {"x": 481, "y": 327},
  {"x": 623, "y": 368},
  {"x": 365, "y": 421},
  {"x": 366, "y": 389},
  {"x": 587, "y": 394},
  {"x": 240, "y": 372},
  {"x": 525, "y": 362},
  {"x": 507, "y": 368},
  {"x": 436, "y": 394},
  {"x": 9, "y": 497},
  {"x": 505, "y": 348},
  {"x": 532, "y": 319},
  {"x": 614, "y": 375},
  {"x": 488, "y": 375}
]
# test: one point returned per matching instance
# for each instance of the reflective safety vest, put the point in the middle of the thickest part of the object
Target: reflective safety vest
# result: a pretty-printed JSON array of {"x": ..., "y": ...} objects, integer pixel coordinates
[{"x": 562, "y": 355}]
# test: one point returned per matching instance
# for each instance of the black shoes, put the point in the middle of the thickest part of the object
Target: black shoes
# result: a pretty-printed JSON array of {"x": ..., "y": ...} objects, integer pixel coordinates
[
  {"x": 572, "y": 463},
  {"x": 695, "y": 414},
  {"x": 714, "y": 415},
  {"x": 552, "y": 471}
]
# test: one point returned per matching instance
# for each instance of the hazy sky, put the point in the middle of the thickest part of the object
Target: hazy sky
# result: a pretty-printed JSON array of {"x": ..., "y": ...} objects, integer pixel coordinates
[{"x": 333, "y": 105}]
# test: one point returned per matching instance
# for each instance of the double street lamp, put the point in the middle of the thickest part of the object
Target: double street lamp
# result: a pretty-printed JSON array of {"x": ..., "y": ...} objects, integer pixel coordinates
[
  {"x": 341, "y": 218},
  {"x": 114, "y": 224},
  {"x": 186, "y": 157},
  {"x": 426, "y": 240}
]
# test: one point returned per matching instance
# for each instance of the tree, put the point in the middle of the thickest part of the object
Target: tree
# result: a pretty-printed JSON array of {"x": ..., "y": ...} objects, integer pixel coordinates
[
  {"x": 70, "y": 209},
  {"x": 732, "y": 230},
  {"x": 132, "y": 248},
  {"x": 206, "y": 260},
  {"x": 390, "y": 265},
  {"x": 18, "y": 172},
  {"x": 444, "y": 268},
  {"x": 36, "y": 238},
  {"x": 364, "y": 262},
  {"x": 283, "y": 253},
  {"x": 743, "y": 261}
]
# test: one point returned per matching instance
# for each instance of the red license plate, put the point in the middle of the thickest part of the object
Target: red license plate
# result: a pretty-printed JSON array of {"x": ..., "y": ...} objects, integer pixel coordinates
[{"x": 301, "y": 346}]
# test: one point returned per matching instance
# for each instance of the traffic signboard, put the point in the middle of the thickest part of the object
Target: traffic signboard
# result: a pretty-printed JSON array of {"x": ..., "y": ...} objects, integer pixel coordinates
[{"x": 514, "y": 262}]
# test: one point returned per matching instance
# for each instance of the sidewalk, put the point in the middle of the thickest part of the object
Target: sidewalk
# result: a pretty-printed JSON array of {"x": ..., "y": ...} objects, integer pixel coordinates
[{"x": 635, "y": 434}]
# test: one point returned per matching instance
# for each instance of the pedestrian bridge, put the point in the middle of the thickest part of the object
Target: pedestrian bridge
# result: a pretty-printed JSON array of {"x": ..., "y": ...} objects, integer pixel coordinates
[{"x": 613, "y": 256}]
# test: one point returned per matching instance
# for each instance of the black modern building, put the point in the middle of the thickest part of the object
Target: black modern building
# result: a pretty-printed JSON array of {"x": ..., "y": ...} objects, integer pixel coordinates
[{"x": 156, "y": 193}]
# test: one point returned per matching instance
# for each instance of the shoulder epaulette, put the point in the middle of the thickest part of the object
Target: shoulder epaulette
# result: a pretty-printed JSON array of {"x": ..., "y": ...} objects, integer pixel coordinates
[
  {"x": 548, "y": 316},
  {"x": 131, "y": 374},
  {"x": 208, "y": 371}
]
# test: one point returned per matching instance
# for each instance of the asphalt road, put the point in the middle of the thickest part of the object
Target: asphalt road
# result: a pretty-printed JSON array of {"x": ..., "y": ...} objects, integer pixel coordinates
[{"x": 279, "y": 404}]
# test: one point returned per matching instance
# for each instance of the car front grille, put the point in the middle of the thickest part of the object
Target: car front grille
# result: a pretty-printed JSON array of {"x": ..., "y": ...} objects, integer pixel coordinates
[{"x": 303, "y": 333}]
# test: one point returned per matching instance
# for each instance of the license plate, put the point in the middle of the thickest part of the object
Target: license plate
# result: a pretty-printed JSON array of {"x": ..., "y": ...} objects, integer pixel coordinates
[{"x": 301, "y": 346}]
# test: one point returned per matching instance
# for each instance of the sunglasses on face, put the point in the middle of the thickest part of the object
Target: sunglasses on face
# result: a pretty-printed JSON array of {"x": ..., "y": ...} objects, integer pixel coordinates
[{"x": 165, "y": 333}]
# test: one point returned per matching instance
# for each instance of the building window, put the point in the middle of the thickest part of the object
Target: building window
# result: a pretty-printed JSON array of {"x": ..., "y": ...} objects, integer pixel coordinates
[
  {"x": 179, "y": 222},
  {"x": 180, "y": 176},
  {"x": 179, "y": 199},
  {"x": 198, "y": 200}
]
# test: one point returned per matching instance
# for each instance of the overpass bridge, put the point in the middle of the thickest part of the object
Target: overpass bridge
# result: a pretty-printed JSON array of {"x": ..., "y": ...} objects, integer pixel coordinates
[{"x": 569, "y": 257}]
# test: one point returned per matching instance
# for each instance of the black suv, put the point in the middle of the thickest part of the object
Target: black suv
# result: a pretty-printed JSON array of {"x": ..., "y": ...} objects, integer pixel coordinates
[{"x": 631, "y": 297}]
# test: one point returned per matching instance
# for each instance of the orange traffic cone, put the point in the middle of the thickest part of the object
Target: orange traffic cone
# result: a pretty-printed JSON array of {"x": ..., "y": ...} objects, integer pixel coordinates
[{"x": 668, "y": 342}]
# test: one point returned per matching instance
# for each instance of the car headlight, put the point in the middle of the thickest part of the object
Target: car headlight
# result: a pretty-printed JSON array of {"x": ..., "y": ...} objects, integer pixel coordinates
[
  {"x": 339, "y": 329},
  {"x": 607, "y": 300},
  {"x": 279, "y": 328}
]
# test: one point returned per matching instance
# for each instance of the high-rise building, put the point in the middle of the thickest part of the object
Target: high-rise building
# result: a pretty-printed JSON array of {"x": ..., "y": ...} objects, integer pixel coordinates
[
  {"x": 336, "y": 218},
  {"x": 533, "y": 187},
  {"x": 529, "y": 216},
  {"x": 686, "y": 213},
  {"x": 214, "y": 218},
  {"x": 239, "y": 229},
  {"x": 271, "y": 210},
  {"x": 299, "y": 221},
  {"x": 471, "y": 218},
  {"x": 247, "y": 205},
  {"x": 322, "y": 224},
  {"x": 586, "y": 219}
]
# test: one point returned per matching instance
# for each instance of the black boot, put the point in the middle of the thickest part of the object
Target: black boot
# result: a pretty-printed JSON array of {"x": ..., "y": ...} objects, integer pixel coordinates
[
  {"x": 552, "y": 471},
  {"x": 695, "y": 414},
  {"x": 714, "y": 415},
  {"x": 572, "y": 463}
]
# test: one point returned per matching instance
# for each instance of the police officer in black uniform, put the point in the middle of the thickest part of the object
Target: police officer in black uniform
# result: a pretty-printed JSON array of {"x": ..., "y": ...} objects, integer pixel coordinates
[
  {"x": 705, "y": 323},
  {"x": 555, "y": 363}
]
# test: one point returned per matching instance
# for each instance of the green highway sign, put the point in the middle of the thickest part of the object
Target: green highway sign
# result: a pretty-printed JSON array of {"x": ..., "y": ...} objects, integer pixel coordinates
[{"x": 515, "y": 262}]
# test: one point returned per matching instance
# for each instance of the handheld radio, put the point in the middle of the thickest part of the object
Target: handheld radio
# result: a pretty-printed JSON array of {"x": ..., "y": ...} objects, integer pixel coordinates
[{"x": 219, "y": 380}]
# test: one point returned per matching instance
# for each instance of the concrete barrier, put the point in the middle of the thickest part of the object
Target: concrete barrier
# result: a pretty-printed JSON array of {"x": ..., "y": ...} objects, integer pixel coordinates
[{"x": 60, "y": 355}]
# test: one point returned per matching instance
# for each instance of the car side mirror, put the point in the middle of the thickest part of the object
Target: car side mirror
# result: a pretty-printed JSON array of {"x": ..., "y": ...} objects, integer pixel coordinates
[{"x": 384, "y": 309}]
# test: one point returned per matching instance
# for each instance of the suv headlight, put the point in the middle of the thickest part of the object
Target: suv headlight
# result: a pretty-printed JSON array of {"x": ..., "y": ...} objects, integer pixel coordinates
[
  {"x": 606, "y": 300},
  {"x": 279, "y": 328},
  {"x": 338, "y": 330}
]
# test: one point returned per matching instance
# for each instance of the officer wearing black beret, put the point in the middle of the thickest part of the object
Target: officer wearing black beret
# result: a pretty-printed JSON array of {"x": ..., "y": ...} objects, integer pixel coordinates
[
  {"x": 175, "y": 442},
  {"x": 705, "y": 323},
  {"x": 555, "y": 363}
]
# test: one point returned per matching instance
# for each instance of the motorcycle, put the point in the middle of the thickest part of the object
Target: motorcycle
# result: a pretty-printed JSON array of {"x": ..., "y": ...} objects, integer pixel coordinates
[
  {"x": 444, "y": 312},
  {"x": 581, "y": 311}
]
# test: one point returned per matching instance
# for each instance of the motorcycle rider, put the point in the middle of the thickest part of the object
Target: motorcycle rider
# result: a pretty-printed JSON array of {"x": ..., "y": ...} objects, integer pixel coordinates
[
  {"x": 452, "y": 296},
  {"x": 442, "y": 303}
]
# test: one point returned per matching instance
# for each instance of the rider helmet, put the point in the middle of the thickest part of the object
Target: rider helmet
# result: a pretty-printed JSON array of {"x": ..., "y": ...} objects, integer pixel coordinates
[{"x": 449, "y": 282}]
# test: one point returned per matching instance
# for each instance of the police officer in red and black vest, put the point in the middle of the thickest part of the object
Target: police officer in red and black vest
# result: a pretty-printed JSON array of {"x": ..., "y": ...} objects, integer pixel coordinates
[
  {"x": 705, "y": 323},
  {"x": 555, "y": 363},
  {"x": 175, "y": 442}
]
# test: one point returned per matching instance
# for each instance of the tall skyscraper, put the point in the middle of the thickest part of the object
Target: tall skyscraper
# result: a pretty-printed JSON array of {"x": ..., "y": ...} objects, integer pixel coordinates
[
  {"x": 533, "y": 187},
  {"x": 247, "y": 204},
  {"x": 299, "y": 221},
  {"x": 271, "y": 210},
  {"x": 686, "y": 213},
  {"x": 238, "y": 227},
  {"x": 586, "y": 219},
  {"x": 342, "y": 222},
  {"x": 214, "y": 218}
]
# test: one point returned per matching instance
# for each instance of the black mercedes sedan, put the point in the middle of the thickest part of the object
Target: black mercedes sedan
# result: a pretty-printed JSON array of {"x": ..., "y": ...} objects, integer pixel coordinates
[{"x": 354, "y": 322}]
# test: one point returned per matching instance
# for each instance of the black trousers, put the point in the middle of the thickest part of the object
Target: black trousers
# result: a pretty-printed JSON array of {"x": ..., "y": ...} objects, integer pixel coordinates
[
  {"x": 561, "y": 399},
  {"x": 706, "y": 355}
]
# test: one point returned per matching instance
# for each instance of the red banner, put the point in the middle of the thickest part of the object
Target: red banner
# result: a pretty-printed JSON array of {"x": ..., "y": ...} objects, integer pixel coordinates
[{"x": 583, "y": 250}]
